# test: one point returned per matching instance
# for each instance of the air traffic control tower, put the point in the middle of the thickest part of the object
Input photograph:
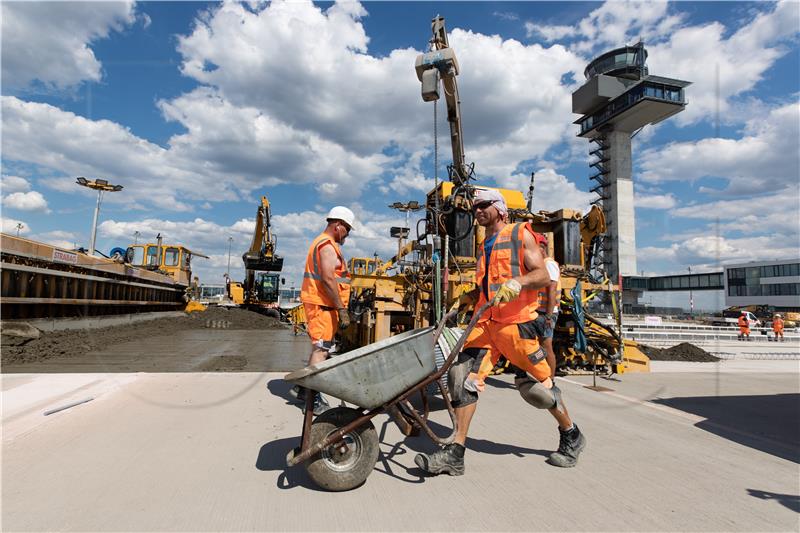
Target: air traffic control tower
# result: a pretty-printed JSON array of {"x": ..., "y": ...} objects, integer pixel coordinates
[{"x": 618, "y": 99}]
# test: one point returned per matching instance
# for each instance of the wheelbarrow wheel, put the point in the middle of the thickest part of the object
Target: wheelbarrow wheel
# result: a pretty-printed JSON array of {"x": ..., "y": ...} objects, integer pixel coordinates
[{"x": 347, "y": 464}]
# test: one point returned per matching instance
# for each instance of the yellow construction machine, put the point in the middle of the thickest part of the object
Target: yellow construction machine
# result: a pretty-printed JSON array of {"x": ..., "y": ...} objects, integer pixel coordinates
[
  {"x": 415, "y": 287},
  {"x": 261, "y": 288}
]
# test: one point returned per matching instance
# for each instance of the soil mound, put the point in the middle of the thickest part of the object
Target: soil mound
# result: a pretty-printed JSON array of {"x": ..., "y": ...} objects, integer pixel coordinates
[
  {"x": 684, "y": 351},
  {"x": 75, "y": 343}
]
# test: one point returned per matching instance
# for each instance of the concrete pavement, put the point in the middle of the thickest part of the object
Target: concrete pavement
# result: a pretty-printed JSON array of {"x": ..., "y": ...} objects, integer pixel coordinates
[{"x": 205, "y": 452}]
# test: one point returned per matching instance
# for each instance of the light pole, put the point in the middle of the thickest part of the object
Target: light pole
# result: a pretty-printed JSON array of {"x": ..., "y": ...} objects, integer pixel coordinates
[
  {"x": 228, "y": 273},
  {"x": 100, "y": 186},
  {"x": 19, "y": 227},
  {"x": 691, "y": 300},
  {"x": 136, "y": 235}
]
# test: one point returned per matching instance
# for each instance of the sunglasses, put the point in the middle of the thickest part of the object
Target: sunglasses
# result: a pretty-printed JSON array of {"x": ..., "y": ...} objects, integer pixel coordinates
[{"x": 482, "y": 205}]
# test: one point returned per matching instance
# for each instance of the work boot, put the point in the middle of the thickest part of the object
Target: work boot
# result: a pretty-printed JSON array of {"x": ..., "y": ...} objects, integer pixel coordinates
[
  {"x": 448, "y": 460},
  {"x": 570, "y": 445},
  {"x": 320, "y": 404}
]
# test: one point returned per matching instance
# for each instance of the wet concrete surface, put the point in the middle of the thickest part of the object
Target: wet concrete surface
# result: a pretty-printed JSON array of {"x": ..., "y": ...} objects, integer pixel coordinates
[{"x": 199, "y": 350}]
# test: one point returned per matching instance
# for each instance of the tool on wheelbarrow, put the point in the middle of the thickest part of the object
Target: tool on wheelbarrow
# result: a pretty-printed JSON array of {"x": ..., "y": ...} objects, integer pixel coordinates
[{"x": 340, "y": 447}]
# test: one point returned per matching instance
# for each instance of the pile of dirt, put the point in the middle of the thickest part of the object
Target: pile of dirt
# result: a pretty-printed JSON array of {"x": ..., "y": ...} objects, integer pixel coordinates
[
  {"x": 75, "y": 343},
  {"x": 684, "y": 351}
]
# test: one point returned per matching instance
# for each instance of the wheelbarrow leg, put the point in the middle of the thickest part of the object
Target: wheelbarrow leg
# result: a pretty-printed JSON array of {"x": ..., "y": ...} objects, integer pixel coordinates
[{"x": 307, "y": 418}]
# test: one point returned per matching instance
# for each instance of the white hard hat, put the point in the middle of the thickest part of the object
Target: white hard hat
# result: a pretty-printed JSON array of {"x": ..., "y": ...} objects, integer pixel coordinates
[{"x": 342, "y": 213}]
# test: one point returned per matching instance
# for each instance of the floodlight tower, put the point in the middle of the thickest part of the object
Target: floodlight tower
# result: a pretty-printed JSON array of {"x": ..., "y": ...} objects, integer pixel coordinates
[
  {"x": 100, "y": 186},
  {"x": 618, "y": 99}
]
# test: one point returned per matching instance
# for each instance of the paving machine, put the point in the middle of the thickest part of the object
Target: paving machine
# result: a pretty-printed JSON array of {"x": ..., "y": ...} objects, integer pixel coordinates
[{"x": 415, "y": 287}]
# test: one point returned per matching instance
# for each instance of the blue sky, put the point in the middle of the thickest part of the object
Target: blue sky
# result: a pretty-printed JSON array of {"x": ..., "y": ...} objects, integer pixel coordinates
[{"x": 197, "y": 109}]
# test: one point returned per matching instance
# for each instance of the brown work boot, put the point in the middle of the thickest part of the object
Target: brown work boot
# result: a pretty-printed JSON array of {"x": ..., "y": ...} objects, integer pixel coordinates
[
  {"x": 448, "y": 460},
  {"x": 570, "y": 445}
]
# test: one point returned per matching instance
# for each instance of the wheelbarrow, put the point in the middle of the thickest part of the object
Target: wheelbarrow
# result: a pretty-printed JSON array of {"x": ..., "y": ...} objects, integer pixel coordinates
[{"x": 340, "y": 446}]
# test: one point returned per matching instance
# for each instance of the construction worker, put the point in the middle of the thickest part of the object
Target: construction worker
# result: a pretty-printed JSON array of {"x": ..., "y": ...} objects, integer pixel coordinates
[
  {"x": 326, "y": 291},
  {"x": 549, "y": 299},
  {"x": 510, "y": 270},
  {"x": 744, "y": 326},
  {"x": 777, "y": 326}
]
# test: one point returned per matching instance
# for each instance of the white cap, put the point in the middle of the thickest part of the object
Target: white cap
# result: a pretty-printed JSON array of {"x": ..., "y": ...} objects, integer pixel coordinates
[{"x": 342, "y": 213}]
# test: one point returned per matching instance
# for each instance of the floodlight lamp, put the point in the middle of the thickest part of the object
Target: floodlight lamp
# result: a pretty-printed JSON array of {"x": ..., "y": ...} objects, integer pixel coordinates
[
  {"x": 117, "y": 188},
  {"x": 101, "y": 182},
  {"x": 413, "y": 204},
  {"x": 82, "y": 181}
]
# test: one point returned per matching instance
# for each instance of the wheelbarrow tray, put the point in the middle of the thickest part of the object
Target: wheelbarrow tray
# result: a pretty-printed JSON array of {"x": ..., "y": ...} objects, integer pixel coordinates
[{"x": 375, "y": 374}]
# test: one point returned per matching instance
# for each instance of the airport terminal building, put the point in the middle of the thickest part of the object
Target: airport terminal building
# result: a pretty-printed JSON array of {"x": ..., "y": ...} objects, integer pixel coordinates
[{"x": 773, "y": 283}]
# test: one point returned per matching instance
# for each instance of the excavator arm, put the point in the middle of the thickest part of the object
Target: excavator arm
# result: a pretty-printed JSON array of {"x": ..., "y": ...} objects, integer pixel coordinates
[
  {"x": 440, "y": 64},
  {"x": 261, "y": 255}
]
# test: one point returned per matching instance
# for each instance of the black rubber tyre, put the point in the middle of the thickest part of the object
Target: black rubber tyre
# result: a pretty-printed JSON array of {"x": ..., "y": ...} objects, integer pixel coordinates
[{"x": 345, "y": 465}]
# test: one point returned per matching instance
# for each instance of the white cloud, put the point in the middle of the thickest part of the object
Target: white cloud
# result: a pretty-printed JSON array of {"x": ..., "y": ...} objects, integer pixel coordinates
[
  {"x": 45, "y": 135},
  {"x": 740, "y": 59},
  {"x": 613, "y": 24},
  {"x": 309, "y": 82},
  {"x": 764, "y": 158},
  {"x": 306, "y": 105},
  {"x": 654, "y": 201},
  {"x": 59, "y": 238},
  {"x": 9, "y": 184},
  {"x": 25, "y": 201},
  {"x": 550, "y": 33},
  {"x": 505, "y": 15},
  {"x": 9, "y": 225},
  {"x": 709, "y": 251},
  {"x": 50, "y": 41}
]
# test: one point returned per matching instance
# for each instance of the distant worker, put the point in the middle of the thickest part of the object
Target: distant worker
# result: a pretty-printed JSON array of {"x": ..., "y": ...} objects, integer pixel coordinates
[
  {"x": 777, "y": 327},
  {"x": 510, "y": 270},
  {"x": 549, "y": 300},
  {"x": 744, "y": 327},
  {"x": 326, "y": 291}
]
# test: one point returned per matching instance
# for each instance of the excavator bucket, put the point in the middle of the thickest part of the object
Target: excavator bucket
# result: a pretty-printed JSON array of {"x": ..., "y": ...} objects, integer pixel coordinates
[{"x": 265, "y": 264}]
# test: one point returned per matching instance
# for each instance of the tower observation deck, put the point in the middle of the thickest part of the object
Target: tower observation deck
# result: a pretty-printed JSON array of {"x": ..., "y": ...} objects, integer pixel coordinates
[{"x": 619, "y": 98}]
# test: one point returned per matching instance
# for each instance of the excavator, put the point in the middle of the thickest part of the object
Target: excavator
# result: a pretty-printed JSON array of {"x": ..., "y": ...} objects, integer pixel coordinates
[{"x": 261, "y": 287}]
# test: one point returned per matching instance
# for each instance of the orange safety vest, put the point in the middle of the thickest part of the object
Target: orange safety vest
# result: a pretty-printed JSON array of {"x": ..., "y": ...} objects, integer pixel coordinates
[
  {"x": 313, "y": 291},
  {"x": 507, "y": 261},
  {"x": 543, "y": 292},
  {"x": 743, "y": 322},
  {"x": 777, "y": 325}
]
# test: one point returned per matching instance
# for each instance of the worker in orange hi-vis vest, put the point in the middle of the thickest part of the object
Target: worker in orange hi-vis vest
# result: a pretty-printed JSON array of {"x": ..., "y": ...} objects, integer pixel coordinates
[
  {"x": 777, "y": 326},
  {"x": 744, "y": 327},
  {"x": 510, "y": 271},
  {"x": 326, "y": 292}
]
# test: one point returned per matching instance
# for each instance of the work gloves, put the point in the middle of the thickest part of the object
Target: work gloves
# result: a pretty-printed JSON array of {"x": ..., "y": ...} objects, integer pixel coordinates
[
  {"x": 344, "y": 318},
  {"x": 508, "y": 291}
]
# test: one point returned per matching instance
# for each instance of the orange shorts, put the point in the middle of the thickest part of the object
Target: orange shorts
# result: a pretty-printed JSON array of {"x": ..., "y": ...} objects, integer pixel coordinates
[
  {"x": 322, "y": 323},
  {"x": 516, "y": 342},
  {"x": 744, "y": 331}
]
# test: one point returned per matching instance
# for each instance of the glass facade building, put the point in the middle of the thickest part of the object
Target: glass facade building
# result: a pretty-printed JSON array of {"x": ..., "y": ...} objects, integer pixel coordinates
[{"x": 774, "y": 283}]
